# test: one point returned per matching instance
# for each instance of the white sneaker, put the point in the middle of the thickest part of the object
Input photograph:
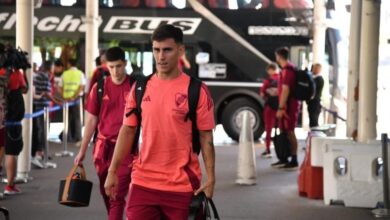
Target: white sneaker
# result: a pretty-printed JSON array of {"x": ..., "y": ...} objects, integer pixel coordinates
[{"x": 36, "y": 162}]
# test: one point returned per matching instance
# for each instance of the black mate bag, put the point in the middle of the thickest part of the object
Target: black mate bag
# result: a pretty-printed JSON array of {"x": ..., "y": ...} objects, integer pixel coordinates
[
  {"x": 282, "y": 144},
  {"x": 75, "y": 190}
]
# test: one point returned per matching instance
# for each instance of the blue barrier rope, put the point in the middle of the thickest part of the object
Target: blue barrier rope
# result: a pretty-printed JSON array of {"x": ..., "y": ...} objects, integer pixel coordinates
[
  {"x": 12, "y": 123},
  {"x": 51, "y": 109}
]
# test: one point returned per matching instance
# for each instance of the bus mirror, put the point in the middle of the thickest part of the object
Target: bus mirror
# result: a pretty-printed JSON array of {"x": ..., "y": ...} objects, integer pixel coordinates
[{"x": 202, "y": 58}]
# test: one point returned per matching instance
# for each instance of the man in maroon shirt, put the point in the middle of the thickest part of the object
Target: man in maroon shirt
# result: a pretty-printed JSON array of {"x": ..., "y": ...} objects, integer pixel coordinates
[
  {"x": 107, "y": 117},
  {"x": 287, "y": 113}
]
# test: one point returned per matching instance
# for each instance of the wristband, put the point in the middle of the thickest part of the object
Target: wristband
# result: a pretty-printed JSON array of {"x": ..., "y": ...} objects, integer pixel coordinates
[{"x": 280, "y": 108}]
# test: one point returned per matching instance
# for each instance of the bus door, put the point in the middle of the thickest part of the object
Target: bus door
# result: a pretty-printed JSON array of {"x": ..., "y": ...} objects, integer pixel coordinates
[{"x": 139, "y": 58}]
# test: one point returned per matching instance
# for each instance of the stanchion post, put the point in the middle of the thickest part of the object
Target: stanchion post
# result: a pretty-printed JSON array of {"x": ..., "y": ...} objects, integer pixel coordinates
[
  {"x": 46, "y": 163},
  {"x": 384, "y": 212},
  {"x": 65, "y": 132},
  {"x": 65, "y": 152},
  {"x": 385, "y": 171}
]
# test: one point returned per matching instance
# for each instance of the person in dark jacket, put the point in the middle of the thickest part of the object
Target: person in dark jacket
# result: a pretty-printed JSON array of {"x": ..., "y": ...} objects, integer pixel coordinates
[{"x": 314, "y": 105}]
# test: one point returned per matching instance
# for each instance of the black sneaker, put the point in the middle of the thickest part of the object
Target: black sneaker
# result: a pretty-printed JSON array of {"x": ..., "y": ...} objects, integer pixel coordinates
[
  {"x": 279, "y": 164},
  {"x": 290, "y": 166}
]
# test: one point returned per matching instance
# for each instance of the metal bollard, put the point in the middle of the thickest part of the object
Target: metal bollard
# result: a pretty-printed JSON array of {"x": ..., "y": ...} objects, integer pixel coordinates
[
  {"x": 46, "y": 163},
  {"x": 384, "y": 212},
  {"x": 65, "y": 152}
]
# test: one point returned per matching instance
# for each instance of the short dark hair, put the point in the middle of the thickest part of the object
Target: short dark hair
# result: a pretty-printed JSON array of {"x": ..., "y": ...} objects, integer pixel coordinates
[
  {"x": 97, "y": 61},
  {"x": 73, "y": 61},
  {"x": 282, "y": 52},
  {"x": 167, "y": 31},
  {"x": 46, "y": 66},
  {"x": 115, "y": 53},
  {"x": 58, "y": 62},
  {"x": 271, "y": 66}
]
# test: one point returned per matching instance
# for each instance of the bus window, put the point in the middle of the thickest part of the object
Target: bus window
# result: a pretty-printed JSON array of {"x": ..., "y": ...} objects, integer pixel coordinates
[
  {"x": 235, "y": 4},
  {"x": 254, "y": 4},
  {"x": 156, "y": 3},
  {"x": 147, "y": 63},
  {"x": 215, "y": 3},
  {"x": 293, "y": 4},
  {"x": 127, "y": 3}
]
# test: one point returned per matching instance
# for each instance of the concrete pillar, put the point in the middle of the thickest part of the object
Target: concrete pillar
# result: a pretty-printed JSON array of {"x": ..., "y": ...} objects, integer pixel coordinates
[
  {"x": 91, "y": 36},
  {"x": 24, "y": 40},
  {"x": 319, "y": 31},
  {"x": 368, "y": 74},
  {"x": 353, "y": 68},
  {"x": 318, "y": 49}
]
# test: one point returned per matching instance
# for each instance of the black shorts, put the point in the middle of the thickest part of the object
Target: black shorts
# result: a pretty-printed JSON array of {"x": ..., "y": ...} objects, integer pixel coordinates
[
  {"x": 2, "y": 137},
  {"x": 13, "y": 140}
]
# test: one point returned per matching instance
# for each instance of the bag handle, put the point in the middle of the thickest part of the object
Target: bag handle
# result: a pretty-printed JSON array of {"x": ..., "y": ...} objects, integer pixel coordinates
[
  {"x": 208, "y": 202},
  {"x": 69, "y": 178},
  {"x": 212, "y": 205},
  {"x": 83, "y": 175}
]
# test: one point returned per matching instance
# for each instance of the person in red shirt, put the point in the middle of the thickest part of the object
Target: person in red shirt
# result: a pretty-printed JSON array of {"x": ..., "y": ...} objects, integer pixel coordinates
[
  {"x": 269, "y": 91},
  {"x": 13, "y": 131},
  {"x": 161, "y": 187},
  {"x": 107, "y": 117},
  {"x": 288, "y": 110}
]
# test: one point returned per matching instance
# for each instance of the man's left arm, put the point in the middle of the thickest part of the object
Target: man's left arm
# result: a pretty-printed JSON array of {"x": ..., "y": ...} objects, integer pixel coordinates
[{"x": 208, "y": 154}]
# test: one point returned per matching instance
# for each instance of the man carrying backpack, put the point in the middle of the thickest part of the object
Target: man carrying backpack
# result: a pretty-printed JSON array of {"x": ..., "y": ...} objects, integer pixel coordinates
[
  {"x": 166, "y": 172},
  {"x": 288, "y": 110},
  {"x": 105, "y": 110}
]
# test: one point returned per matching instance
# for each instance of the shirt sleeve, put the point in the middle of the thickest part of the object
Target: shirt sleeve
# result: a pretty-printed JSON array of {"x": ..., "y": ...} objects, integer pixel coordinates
[
  {"x": 21, "y": 80},
  {"x": 48, "y": 85},
  {"x": 288, "y": 78},
  {"x": 82, "y": 79},
  {"x": 130, "y": 120},
  {"x": 205, "y": 110},
  {"x": 265, "y": 86},
  {"x": 92, "y": 105},
  {"x": 61, "y": 81}
]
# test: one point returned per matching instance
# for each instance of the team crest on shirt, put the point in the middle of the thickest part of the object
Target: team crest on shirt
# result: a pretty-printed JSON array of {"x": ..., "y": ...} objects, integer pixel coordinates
[
  {"x": 180, "y": 98},
  {"x": 180, "y": 103}
]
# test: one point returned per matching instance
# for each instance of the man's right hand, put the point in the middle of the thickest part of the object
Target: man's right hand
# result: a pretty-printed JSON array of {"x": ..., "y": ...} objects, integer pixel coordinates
[{"x": 111, "y": 185}]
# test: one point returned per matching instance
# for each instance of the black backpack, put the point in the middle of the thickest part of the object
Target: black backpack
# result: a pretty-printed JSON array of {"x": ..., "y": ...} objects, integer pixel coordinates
[
  {"x": 193, "y": 98},
  {"x": 100, "y": 86},
  {"x": 100, "y": 93},
  {"x": 305, "y": 87}
]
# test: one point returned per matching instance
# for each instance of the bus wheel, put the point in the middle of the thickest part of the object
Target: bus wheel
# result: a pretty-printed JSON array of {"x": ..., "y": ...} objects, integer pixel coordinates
[{"x": 232, "y": 117}]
